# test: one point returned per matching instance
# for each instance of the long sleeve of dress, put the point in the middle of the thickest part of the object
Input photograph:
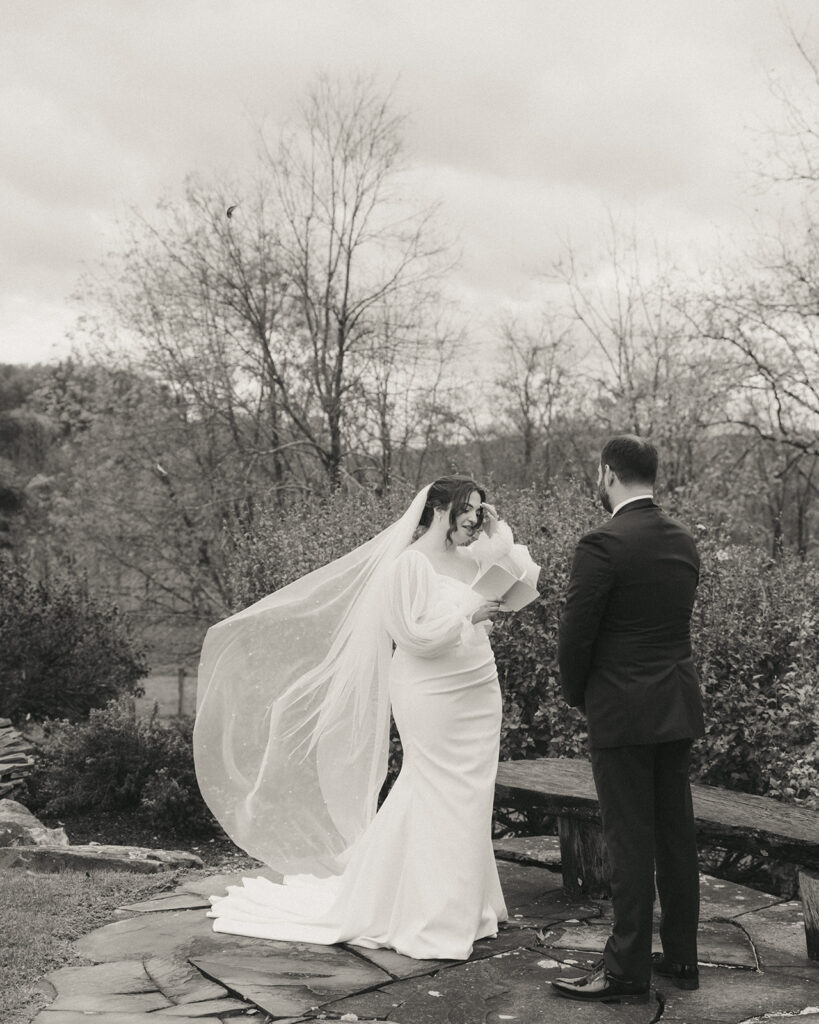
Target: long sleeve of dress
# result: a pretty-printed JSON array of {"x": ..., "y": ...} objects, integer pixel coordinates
[
  {"x": 488, "y": 550},
  {"x": 419, "y": 618}
]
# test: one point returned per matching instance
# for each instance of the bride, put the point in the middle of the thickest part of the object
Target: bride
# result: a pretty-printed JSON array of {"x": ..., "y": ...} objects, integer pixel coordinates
[{"x": 292, "y": 729}]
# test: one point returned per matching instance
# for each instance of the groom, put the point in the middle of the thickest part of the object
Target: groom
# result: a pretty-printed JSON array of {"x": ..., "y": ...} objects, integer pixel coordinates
[{"x": 625, "y": 660}]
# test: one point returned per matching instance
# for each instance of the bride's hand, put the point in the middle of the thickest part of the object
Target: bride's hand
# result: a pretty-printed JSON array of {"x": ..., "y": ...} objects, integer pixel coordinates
[
  {"x": 485, "y": 612},
  {"x": 490, "y": 518}
]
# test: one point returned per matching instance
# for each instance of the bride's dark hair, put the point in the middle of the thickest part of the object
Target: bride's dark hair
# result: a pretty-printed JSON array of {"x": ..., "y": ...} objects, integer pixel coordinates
[{"x": 450, "y": 492}]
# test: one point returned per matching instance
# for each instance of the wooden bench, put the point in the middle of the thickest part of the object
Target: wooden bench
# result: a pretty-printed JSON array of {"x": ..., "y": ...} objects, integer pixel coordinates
[{"x": 751, "y": 824}]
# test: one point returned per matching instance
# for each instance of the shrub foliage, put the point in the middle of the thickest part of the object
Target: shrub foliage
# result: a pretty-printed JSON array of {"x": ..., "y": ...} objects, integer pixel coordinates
[
  {"x": 754, "y": 633},
  {"x": 61, "y": 651},
  {"x": 755, "y": 629},
  {"x": 116, "y": 761}
]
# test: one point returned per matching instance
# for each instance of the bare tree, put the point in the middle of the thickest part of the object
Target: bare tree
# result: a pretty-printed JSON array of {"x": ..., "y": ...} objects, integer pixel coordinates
[
  {"x": 534, "y": 386},
  {"x": 351, "y": 245},
  {"x": 202, "y": 301},
  {"x": 405, "y": 391},
  {"x": 274, "y": 334},
  {"x": 792, "y": 154},
  {"x": 648, "y": 368},
  {"x": 767, "y": 309},
  {"x": 765, "y": 317}
]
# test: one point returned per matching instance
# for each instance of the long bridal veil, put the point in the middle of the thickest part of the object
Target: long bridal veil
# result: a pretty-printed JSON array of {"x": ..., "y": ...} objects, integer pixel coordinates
[{"x": 292, "y": 722}]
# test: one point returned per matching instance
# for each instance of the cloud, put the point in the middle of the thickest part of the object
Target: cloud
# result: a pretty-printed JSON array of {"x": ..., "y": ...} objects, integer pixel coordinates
[{"x": 528, "y": 120}]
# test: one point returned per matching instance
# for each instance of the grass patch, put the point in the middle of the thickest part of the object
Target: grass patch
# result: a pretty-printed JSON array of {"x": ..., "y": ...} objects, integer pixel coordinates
[{"x": 41, "y": 916}]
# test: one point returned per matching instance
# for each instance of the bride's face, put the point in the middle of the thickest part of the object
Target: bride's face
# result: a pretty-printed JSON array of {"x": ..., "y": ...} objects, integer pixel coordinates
[{"x": 468, "y": 520}]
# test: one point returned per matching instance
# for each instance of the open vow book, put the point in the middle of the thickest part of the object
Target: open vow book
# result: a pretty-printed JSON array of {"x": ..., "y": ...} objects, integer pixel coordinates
[{"x": 512, "y": 580}]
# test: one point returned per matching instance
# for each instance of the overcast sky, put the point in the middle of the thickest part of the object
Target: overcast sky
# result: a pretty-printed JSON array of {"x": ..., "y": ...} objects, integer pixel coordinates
[{"x": 529, "y": 120}]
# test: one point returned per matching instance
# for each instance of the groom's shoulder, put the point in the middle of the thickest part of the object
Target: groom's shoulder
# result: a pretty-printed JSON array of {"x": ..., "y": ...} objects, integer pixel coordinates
[
  {"x": 620, "y": 532},
  {"x": 606, "y": 528},
  {"x": 600, "y": 530},
  {"x": 598, "y": 536},
  {"x": 669, "y": 521},
  {"x": 616, "y": 528}
]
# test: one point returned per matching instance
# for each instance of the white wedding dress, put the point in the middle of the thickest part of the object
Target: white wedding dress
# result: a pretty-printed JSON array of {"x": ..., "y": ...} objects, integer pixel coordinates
[{"x": 421, "y": 879}]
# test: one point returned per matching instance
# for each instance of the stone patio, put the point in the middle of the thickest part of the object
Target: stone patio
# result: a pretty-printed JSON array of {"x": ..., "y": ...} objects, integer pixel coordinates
[{"x": 161, "y": 963}]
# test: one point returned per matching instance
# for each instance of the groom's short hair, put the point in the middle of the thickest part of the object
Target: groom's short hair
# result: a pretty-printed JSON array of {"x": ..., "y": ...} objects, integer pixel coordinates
[{"x": 633, "y": 459}]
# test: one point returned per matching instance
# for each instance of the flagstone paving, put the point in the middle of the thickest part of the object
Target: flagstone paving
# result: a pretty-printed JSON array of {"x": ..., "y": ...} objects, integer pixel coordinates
[
  {"x": 719, "y": 898},
  {"x": 540, "y": 851},
  {"x": 287, "y": 985},
  {"x": 163, "y": 964},
  {"x": 180, "y": 982},
  {"x": 721, "y": 943},
  {"x": 513, "y": 986},
  {"x": 732, "y": 996},
  {"x": 173, "y": 901}
]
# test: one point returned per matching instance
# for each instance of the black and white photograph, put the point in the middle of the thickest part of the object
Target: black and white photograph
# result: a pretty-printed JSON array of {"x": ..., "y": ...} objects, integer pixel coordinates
[{"x": 409, "y": 511}]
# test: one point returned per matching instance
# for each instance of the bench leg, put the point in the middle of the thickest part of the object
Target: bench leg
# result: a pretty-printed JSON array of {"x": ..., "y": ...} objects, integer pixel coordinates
[
  {"x": 809, "y": 891},
  {"x": 583, "y": 858}
]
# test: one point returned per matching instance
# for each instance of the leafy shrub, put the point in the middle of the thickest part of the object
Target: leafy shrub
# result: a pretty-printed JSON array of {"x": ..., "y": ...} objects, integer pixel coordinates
[
  {"x": 754, "y": 636},
  {"x": 754, "y": 633},
  {"x": 536, "y": 720},
  {"x": 283, "y": 546},
  {"x": 116, "y": 761},
  {"x": 61, "y": 652},
  {"x": 755, "y": 628}
]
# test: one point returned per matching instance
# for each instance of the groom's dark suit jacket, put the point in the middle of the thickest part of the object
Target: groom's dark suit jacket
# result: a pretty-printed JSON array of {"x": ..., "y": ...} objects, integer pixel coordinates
[{"x": 625, "y": 644}]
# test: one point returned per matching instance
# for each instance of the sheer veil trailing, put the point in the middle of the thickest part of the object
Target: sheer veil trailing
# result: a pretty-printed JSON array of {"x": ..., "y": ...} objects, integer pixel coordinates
[{"x": 292, "y": 721}]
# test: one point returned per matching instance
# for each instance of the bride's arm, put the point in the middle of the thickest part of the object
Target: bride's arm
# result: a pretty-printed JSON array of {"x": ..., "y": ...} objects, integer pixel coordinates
[
  {"x": 491, "y": 547},
  {"x": 415, "y": 617}
]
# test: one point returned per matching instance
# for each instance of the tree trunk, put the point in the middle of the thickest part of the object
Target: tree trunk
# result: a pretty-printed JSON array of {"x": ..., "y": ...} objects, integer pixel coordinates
[{"x": 335, "y": 455}]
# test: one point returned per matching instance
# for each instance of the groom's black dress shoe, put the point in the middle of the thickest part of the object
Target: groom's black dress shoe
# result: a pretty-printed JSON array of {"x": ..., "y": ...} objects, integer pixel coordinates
[
  {"x": 602, "y": 987},
  {"x": 683, "y": 975}
]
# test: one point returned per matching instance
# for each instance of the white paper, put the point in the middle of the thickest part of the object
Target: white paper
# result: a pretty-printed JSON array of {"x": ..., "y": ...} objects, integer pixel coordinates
[{"x": 512, "y": 580}]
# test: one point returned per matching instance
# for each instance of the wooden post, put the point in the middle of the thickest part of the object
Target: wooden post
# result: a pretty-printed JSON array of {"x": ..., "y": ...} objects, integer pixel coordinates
[
  {"x": 180, "y": 683},
  {"x": 809, "y": 891},
  {"x": 583, "y": 860}
]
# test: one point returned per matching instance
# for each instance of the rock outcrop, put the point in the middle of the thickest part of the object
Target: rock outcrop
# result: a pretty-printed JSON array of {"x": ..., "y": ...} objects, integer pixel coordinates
[
  {"x": 26, "y": 843},
  {"x": 92, "y": 856},
  {"x": 19, "y": 827}
]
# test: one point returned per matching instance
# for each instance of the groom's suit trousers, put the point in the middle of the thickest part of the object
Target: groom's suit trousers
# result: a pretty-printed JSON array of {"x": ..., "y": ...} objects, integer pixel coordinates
[{"x": 648, "y": 820}]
